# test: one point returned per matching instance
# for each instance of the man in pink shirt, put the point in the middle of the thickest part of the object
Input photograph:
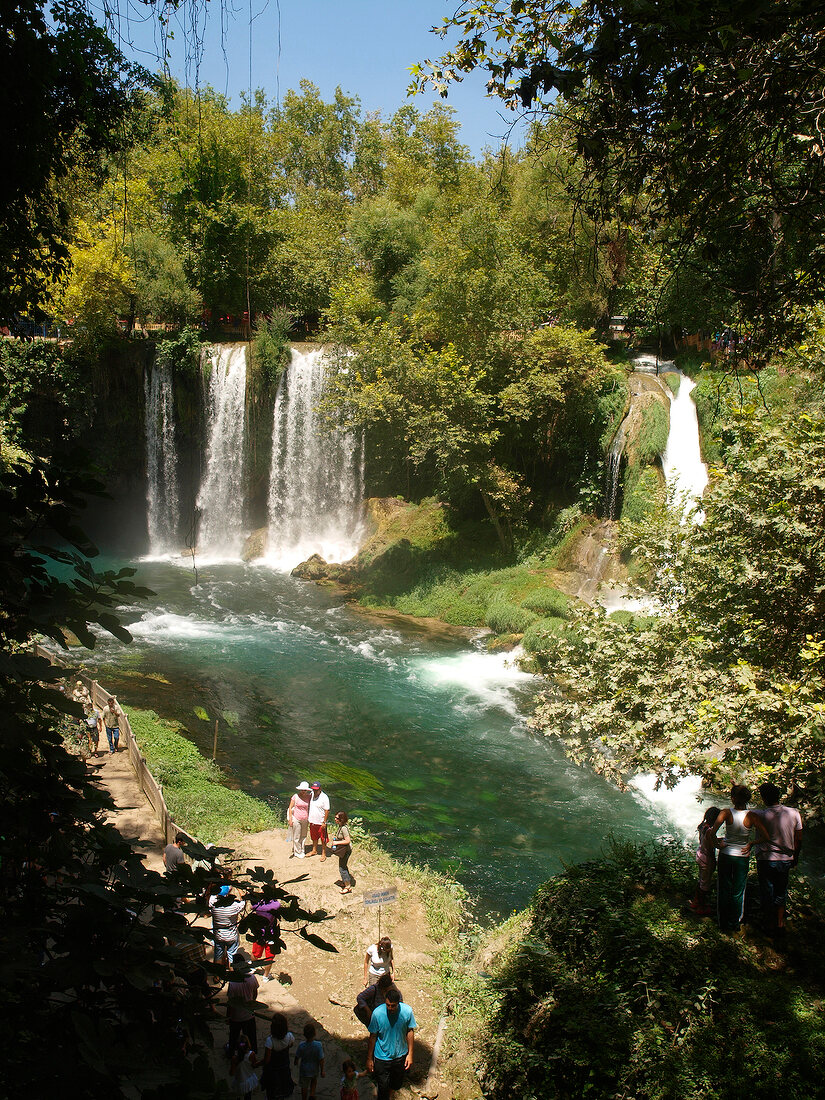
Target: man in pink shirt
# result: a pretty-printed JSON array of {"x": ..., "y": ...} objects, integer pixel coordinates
[{"x": 775, "y": 859}]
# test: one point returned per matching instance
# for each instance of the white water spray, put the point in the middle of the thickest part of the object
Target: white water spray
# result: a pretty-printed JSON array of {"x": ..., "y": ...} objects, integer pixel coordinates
[
  {"x": 221, "y": 496},
  {"x": 685, "y": 472},
  {"x": 161, "y": 461},
  {"x": 317, "y": 476}
]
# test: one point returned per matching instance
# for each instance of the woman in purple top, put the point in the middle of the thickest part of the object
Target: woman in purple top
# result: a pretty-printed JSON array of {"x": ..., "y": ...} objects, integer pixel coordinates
[{"x": 263, "y": 920}]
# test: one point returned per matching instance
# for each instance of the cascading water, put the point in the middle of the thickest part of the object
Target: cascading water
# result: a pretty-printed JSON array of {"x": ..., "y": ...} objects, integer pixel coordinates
[
  {"x": 221, "y": 495},
  {"x": 685, "y": 472},
  {"x": 161, "y": 461},
  {"x": 317, "y": 476},
  {"x": 613, "y": 473}
]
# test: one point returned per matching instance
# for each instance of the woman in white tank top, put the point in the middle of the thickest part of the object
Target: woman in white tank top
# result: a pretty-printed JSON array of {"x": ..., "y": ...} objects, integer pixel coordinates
[{"x": 734, "y": 856}]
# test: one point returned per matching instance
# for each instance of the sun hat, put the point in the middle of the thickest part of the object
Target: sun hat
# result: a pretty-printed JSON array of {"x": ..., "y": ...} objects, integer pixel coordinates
[{"x": 303, "y": 786}]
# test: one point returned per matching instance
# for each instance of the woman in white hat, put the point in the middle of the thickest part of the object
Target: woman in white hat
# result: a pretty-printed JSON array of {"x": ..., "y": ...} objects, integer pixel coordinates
[{"x": 297, "y": 817}]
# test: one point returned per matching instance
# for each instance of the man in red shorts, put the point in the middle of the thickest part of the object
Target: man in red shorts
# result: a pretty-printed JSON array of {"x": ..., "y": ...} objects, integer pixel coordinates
[{"x": 318, "y": 814}]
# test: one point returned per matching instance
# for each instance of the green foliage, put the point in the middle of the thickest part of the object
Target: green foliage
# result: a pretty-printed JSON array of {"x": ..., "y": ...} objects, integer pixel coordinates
[
  {"x": 610, "y": 991},
  {"x": 673, "y": 381},
  {"x": 644, "y": 494},
  {"x": 547, "y": 601},
  {"x": 271, "y": 351},
  {"x": 740, "y": 630},
  {"x": 504, "y": 617},
  {"x": 193, "y": 786},
  {"x": 650, "y": 442},
  {"x": 45, "y": 396},
  {"x": 654, "y": 98},
  {"x": 537, "y": 633},
  {"x": 182, "y": 352}
]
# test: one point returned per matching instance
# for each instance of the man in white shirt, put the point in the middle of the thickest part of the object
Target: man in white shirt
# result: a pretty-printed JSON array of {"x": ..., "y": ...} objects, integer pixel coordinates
[
  {"x": 318, "y": 814},
  {"x": 775, "y": 859}
]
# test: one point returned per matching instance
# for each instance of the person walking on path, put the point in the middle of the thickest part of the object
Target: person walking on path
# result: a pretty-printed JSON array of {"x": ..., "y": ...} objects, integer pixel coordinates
[
  {"x": 734, "y": 856},
  {"x": 93, "y": 723},
  {"x": 174, "y": 856},
  {"x": 392, "y": 1036},
  {"x": 349, "y": 1081},
  {"x": 775, "y": 859},
  {"x": 112, "y": 715},
  {"x": 276, "y": 1078},
  {"x": 379, "y": 960},
  {"x": 309, "y": 1058},
  {"x": 342, "y": 847},
  {"x": 266, "y": 930},
  {"x": 318, "y": 814},
  {"x": 297, "y": 818},
  {"x": 370, "y": 998},
  {"x": 226, "y": 910},
  {"x": 241, "y": 994}
]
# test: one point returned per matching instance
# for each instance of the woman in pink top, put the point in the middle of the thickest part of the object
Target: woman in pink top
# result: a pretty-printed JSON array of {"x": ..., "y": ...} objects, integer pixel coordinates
[
  {"x": 297, "y": 817},
  {"x": 734, "y": 856}
]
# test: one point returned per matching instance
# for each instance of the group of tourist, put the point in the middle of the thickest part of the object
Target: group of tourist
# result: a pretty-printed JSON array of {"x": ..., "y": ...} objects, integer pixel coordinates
[
  {"x": 775, "y": 833},
  {"x": 95, "y": 721},
  {"x": 308, "y": 811},
  {"x": 380, "y": 1007}
]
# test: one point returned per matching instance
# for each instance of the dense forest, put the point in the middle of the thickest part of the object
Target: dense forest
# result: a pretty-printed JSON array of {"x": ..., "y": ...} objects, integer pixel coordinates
[{"x": 673, "y": 176}]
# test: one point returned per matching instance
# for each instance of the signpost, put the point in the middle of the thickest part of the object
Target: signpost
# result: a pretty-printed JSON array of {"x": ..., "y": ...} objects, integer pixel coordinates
[{"x": 387, "y": 895}]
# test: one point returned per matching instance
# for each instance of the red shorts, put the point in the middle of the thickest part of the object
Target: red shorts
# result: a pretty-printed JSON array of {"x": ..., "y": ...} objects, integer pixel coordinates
[
  {"x": 258, "y": 950},
  {"x": 318, "y": 832}
]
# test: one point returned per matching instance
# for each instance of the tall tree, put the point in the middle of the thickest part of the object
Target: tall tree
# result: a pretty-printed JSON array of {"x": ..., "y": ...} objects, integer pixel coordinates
[{"x": 708, "y": 116}]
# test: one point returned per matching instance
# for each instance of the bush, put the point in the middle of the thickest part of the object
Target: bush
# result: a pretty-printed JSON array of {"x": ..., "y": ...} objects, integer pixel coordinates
[
  {"x": 505, "y": 617},
  {"x": 182, "y": 352},
  {"x": 271, "y": 351},
  {"x": 611, "y": 992},
  {"x": 644, "y": 495},
  {"x": 536, "y": 636},
  {"x": 547, "y": 601},
  {"x": 652, "y": 438}
]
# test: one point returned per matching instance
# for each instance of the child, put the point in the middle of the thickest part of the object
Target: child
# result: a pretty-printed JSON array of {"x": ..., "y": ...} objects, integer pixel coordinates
[
  {"x": 342, "y": 846},
  {"x": 242, "y": 1069},
  {"x": 706, "y": 858},
  {"x": 309, "y": 1058},
  {"x": 349, "y": 1082}
]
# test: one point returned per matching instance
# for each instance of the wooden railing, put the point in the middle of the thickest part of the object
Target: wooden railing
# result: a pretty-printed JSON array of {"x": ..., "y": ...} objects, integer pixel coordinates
[{"x": 147, "y": 782}]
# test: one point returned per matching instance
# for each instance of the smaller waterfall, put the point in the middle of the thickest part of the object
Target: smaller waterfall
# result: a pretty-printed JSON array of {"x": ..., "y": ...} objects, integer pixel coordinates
[
  {"x": 685, "y": 472},
  {"x": 161, "y": 461},
  {"x": 613, "y": 474},
  {"x": 317, "y": 476},
  {"x": 221, "y": 497}
]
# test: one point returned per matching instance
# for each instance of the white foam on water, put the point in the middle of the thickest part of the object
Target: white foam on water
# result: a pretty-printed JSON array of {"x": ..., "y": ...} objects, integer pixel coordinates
[
  {"x": 681, "y": 805},
  {"x": 487, "y": 679}
]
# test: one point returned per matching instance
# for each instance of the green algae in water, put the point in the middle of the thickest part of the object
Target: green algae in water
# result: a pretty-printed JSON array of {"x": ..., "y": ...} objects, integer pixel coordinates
[
  {"x": 232, "y": 718},
  {"x": 354, "y": 777},
  {"x": 413, "y": 784},
  {"x": 199, "y": 712}
]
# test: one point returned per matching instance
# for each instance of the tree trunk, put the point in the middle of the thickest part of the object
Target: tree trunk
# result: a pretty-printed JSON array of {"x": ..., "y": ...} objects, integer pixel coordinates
[{"x": 504, "y": 542}]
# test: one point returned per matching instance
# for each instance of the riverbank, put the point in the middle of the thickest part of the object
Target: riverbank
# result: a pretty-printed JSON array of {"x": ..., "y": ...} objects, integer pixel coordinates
[{"x": 431, "y": 924}]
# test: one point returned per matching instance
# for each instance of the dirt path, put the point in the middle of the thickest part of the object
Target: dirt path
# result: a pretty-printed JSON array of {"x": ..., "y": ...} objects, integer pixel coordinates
[{"x": 309, "y": 984}]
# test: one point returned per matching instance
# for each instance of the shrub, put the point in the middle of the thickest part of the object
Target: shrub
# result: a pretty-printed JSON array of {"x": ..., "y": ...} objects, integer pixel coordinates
[
  {"x": 674, "y": 380},
  {"x": 611, "y": 992},
  {"x": 505, "y": 617},
  {"x": 536, "y": 635},
  {"x": 652, "y": 437},
  {"x": 547, "y": 601}
]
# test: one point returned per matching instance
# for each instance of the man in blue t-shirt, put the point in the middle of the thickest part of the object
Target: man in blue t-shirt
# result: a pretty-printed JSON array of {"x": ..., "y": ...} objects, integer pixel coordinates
[{"x": 392, "y": 1035}]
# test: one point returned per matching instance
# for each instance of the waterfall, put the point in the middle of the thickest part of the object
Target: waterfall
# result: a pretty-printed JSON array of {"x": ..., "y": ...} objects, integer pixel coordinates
[
  {"x": 221, "y": 495},
  {"x": 161, "y": 461},
  {"x": 317, "y": 476},
  {"x": 685, "y": 472},
  {"x": 613, "y": 473}
]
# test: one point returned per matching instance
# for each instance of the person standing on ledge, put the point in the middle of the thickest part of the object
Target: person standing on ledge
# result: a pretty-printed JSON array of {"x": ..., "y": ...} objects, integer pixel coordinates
[
  {"x": 112, "y": 715},
  {"x": 775, "y": 859},
  {"x": 734, "y": 856},
  {"x": 318, "y": 814},
  {"x": 174, "y": 856},
  {"x": 297, "y": 815},
  {"x": 392, "y": 1036}
]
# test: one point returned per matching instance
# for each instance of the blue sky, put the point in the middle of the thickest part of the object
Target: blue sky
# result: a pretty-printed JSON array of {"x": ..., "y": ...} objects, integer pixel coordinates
[{"x": 365, "y": 46}]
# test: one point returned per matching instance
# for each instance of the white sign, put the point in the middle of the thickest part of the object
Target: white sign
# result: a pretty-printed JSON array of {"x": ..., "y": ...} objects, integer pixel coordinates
[{"x": 381, "y": 897}]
